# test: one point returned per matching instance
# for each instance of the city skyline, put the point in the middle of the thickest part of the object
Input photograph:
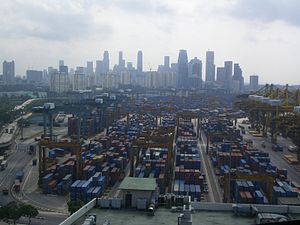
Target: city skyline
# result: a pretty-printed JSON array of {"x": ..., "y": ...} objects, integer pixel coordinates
[{"x": 253, "y": 37}]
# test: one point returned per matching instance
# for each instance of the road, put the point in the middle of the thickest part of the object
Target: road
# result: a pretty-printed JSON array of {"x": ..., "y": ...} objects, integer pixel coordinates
[
  {"x": 214, "y": 190},
  {"x": 19, "y": 159},
  {"x": 277, "y": 157}
]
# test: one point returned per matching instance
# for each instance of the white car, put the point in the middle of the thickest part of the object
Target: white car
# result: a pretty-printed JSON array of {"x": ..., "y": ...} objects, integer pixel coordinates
[{"x": 292, "y": 148}]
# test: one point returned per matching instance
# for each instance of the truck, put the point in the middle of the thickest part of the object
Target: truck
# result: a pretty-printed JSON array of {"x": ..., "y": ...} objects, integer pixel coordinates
[
  {"x": 3, "y": 165},
  {"x": 17, "y": 186}
]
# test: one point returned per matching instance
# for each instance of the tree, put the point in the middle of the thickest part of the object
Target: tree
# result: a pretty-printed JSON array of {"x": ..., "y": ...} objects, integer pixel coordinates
[
  {"x": 28, "y": 211},
  {"x": 11, "y": 211},
  {"x": 73, "y": 206}
]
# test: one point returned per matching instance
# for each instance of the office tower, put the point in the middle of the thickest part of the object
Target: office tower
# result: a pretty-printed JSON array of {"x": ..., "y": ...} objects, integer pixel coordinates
[
  {"x": 238, "y": 76},
  {"x": 99, "y": 67},
  {"x": 63, "y": 69},
  {"x": 61, "y": 63},
  {"x": 167, "y": 62},
  {"x": 45, "y": 75},
  {"x": 195, "y": 73},
  {"x": 78, "y": 80},
  {"x": 105, "y": 62},
  {"x": 254, "y": 82},
  {"x": 227, "y": 74},
  {"x": 59, "y": 82},
  {"x": 182, "y": 69},
  {"x": 9, "y": 72},
  {"x": 139, "y": 65},
  {"x": 130, "y": 66},
  {"x": 34, "y": 76},
  {"x": 221, "y": 75},
  {"x": 210, "y": 67},
  {"x": 120, "y": 58},
  {"x": 89, "y": 68}
]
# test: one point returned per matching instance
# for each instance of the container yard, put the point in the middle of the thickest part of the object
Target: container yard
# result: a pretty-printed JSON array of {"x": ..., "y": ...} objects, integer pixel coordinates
[{"x": 254, "y": 178}]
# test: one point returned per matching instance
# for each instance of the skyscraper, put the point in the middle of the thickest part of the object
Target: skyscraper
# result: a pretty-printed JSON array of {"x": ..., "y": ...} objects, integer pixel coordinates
[
  {"x": 195, "y": 73},
  {"x": 167, "y": 62},
  {"x": 221, "y": 75},
  {"x": 182, "y": 74},
  {"x": 227, "y": 74},
  {"x": 238, "y": 76},
  {"x": 99, "y": 67},
  {"x": 89, "y": 68},
  {"x": 254, "y": 82},
  {"x": 9, "y": 72},
  {"x": 121, "y": 65},
  {"x": 210, "y": 67},
  {"x": 139, "y": 61},
  {"x": 61, "y": 62},
  {"x": 105, "y": 62}
]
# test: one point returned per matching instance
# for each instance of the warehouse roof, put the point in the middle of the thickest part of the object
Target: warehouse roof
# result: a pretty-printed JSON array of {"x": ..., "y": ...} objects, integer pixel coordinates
[
  {"x": 288, "y": 201},
  {"x": 140, "y": 184}
]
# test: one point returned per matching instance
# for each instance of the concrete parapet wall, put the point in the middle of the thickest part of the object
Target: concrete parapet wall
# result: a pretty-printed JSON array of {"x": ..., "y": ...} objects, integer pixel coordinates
[
  {"x": 211, "y": 206},
  {"x": 83, "y": 210}
]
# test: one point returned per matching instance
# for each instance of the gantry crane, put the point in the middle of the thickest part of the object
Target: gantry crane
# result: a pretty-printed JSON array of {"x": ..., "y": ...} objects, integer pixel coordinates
[
  {"x": 154, "y": 139},
  {"x": 269, "y": 107},
  {"x": 75, "y": 148}
]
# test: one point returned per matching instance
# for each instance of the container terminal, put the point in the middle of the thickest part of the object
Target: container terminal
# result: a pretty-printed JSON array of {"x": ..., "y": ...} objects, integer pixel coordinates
[{"x": 163, "y": 157}]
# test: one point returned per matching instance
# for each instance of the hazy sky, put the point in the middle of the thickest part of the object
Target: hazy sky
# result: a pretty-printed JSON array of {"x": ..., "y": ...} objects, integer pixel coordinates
[{"x": 262, "y": 35}]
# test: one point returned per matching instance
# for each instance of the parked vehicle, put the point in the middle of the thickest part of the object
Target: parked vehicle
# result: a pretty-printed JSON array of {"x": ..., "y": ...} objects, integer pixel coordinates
[
  {"x": 277, "y": 147},
  {"x": 3, "y": 165},
  {"x": 292, "y": 148}
]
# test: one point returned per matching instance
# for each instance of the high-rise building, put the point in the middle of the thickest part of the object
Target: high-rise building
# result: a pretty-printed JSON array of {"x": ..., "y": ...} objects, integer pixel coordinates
[
  {"x": 9, "y": 72},
  {"x": 238, "y": 76},
  {"x": 99, "y": 67},
  {"x": 182, "y": 73},
  {"x": 221, "y": 75},
  {"x": 61, "y": 63},
  {"x": 227, "y": 74},
  {"x": 195, "y": 73},
  {"x": 78, "y": 81},
  {"x": 59, "y": 82},
  {"x": 34, "y": 76},
  {"x": 105, "y": 62},
  {"x": 254, "y": 82},
  {"x": 139, "y": 65},
  {"x": 63, "y": 69},
  {"x": 121, "y": 65},
  {"x": 89, "y": 68},
  {"x": 210, "y": 67},
  {"x": 167, "y": 62}
]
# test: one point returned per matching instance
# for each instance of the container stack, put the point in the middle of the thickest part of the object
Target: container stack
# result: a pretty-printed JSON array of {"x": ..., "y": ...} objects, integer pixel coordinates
[
  {"x": 153, "y": 164},
  {"x": 85, "y": 190},
  {"x": 188, "y": 177}
]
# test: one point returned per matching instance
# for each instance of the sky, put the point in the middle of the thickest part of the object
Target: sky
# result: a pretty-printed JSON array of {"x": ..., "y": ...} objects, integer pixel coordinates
[{"x": 261, "y": 35}]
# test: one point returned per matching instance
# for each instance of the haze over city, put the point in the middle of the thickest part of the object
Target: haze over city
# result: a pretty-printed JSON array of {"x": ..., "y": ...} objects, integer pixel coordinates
[{"x": 262, "y": 36}]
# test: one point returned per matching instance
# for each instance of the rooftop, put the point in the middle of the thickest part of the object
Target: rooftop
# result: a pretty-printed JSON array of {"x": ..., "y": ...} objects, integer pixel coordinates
[
  {"x": 164, "y": 217},
  {"x": 139, "y": 184}
]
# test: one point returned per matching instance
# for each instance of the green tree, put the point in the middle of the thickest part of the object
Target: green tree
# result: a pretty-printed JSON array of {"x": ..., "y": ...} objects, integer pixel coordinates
[
  {"x": 28, "y": 211},
  {"x": 73, "y": 206},
  {"x": 11, "y": 211}
]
